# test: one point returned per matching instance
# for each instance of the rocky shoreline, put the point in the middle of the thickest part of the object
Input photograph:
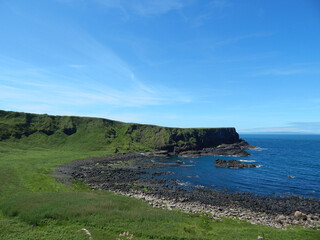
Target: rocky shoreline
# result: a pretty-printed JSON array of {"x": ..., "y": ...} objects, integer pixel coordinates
[{"x": 132, "y": 174}]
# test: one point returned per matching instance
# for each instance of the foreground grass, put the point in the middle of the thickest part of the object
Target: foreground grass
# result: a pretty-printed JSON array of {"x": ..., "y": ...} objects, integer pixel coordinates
[{"x": 34, "y": 206}]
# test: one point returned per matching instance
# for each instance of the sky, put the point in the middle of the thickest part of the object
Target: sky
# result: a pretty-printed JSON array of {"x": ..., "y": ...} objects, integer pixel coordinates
[{"x": 253, "y": 65}]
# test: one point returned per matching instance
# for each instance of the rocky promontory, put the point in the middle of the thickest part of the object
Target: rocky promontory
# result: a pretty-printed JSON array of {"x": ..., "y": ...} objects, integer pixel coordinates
[{"x": 237, "y": 149}]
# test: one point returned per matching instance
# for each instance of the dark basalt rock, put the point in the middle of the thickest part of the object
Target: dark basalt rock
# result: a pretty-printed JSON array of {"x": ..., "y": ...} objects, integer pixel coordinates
[
  {"x": 232, "y": 164},
  {"x": 234, "y": 149}
]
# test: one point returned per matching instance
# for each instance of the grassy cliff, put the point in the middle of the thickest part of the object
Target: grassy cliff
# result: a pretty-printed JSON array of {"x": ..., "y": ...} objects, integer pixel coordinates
[{"x": 102, "y": 134}]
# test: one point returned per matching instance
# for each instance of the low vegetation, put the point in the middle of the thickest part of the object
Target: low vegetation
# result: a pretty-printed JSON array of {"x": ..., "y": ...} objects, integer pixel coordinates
[{"x": 33, "y": 205}]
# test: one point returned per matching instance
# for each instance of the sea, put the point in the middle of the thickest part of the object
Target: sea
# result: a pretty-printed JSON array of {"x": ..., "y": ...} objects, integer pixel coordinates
[{"x": 288, "y": 165}]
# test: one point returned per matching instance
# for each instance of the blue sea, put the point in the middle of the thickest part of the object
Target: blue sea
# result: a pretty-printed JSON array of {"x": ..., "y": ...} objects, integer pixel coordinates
[{"x": 278, "y": 157}]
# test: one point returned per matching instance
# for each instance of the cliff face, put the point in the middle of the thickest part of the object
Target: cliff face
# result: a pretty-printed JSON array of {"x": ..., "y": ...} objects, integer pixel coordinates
[
  {"x": 176, "y": 139},
  {"x": 101, "y": 134}
]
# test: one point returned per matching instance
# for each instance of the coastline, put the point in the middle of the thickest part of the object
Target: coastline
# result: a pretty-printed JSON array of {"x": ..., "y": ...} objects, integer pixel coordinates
[{"x": 129, "y": 174}]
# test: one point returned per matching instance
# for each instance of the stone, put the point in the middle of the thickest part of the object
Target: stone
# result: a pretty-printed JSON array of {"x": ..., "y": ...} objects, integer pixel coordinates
[{"x": 300, "y": 216}]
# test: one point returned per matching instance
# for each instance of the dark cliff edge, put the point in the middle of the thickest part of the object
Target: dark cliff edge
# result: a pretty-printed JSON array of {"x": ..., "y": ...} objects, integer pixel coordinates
[{"x": 102, "y": 134}]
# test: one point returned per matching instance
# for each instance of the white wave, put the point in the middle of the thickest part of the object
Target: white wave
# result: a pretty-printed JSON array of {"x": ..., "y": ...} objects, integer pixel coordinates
[
  {"x": 196, "y": 176},
  {"x": 259, "y": 149},
  {"x": 247, "y": 160},
  {"x": 184, "y": 183},
  {"x": 258, "y": 166}
]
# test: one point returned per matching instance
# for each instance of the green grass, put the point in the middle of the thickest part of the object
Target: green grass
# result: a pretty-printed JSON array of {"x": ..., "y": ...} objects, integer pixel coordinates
[{"x": 33, "y": 205}]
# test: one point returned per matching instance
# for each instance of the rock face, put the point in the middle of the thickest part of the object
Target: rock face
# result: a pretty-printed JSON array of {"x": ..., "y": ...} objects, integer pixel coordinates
[{"x": 232, "y": 164}]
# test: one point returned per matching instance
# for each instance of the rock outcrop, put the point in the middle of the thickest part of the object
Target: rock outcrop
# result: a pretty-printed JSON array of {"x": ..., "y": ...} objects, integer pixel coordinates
[
  {"x": 237, "y": 149},
  {"x": 233, "y": 164}
]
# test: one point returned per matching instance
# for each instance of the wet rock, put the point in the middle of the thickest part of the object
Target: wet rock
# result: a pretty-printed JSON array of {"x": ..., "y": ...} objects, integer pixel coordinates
[
  {"x": 232, "y": 164},
  {"x": 234, "y": 149}
]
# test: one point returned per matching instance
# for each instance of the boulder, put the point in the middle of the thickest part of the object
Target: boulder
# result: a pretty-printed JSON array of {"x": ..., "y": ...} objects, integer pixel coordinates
[{"x": 300, "y": 216}]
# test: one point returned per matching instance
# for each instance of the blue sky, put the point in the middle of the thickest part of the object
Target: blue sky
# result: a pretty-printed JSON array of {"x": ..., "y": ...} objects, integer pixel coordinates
[{"x": 254, "y": 65}]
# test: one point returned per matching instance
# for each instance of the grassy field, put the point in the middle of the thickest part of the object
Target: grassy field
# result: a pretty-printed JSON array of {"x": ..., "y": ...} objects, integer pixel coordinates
[{"x": 33, "y": 205}]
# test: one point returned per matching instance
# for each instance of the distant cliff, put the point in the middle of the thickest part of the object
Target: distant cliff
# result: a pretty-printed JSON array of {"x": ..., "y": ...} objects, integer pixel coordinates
[{"x": 101, "y": 134}]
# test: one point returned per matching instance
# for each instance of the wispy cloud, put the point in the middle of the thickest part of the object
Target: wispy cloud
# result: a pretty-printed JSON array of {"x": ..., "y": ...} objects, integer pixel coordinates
[
  {"x": 294, "y": 127},
  {"x": 239, "y": 38},
  {"x": 221, "y": 4},
  {"x": 77, "y": 66},
  {"x": 149, "y": 8},
  {"x": 102, "y": 78},
  {"x": 212, "y": 9},
  {"x": 289, "y": 69},
  {"x": 312, "y": 126},
  {"x": 89, "y": 75},
  {"x": 274, "y": 130},
  {"x": 75, "y": 93},
  {"x": 145, "y": 8},
  {"x": 279, "y": 72}
]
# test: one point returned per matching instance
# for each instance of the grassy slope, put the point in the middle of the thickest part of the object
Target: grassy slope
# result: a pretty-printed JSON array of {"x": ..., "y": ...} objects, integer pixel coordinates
[
  {"x": 102, "y": 134},
  {"x": 34, "y": 206}
]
